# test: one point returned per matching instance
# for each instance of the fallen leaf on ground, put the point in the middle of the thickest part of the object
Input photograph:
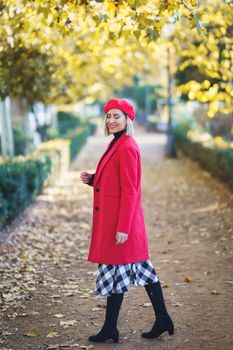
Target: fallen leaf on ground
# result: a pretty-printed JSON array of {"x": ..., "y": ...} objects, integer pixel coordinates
[
  {"x": 59, "y": 315},
  {"x": 52, "y": 335},
  {"x": 52, "y": 347},
  {"x": 188, "y": 279},
  {"x": 96, "y": 309},
  {"x": 177, "y": 304},
  {"x": 68, "y": 323},
  {"x": 211, "y": 207},
  {"x": 215, "y": 292},
  {"x": 103, "y": 306},
  {"x": 62, "y": 346},
  {"x": 69, "y": 294},
  {"x": 31, "y": 334},
  {"x": 145, "y": 304}
]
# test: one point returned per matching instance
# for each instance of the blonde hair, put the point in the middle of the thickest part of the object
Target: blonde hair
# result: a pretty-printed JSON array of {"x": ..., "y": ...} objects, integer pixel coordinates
[{"x": 129, "y": 126}]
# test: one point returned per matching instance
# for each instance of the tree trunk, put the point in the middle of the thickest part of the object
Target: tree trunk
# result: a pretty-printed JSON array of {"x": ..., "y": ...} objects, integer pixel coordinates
[
  {"x": 7, "y": 141},
  {"x": 170, "y": 146}
]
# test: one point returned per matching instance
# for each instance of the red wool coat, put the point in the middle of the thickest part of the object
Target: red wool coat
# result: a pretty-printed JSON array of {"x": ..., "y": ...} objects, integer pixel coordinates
[{"x": 117, "y": 206}]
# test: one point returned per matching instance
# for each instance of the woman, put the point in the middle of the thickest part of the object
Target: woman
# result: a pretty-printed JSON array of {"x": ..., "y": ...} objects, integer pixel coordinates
[{"x": 119, "y": 239}]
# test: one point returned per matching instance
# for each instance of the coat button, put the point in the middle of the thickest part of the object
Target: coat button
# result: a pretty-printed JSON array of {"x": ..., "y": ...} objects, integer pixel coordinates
[
  {"x": 97, "y": 189},
  {"x": 96, "y": 208}
]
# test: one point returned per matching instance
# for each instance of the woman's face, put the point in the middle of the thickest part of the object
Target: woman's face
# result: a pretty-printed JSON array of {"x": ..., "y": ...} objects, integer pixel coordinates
[{"x": 115, "y": 120}]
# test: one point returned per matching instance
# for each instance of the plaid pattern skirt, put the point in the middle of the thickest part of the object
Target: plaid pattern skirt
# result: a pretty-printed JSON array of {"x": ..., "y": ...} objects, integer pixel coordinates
[{"x": 117, "y": 278}]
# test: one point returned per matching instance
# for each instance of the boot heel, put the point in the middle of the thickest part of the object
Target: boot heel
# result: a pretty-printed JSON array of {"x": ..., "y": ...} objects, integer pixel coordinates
[
  {"x": 115, "y": 340},
  {"x": 171, "y": 331}
]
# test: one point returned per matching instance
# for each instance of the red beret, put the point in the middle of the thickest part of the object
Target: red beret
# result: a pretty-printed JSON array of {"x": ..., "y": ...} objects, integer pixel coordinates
[{"x": 121, "y": 104}]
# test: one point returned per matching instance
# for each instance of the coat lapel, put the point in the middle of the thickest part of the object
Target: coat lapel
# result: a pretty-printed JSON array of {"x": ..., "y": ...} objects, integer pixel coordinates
[{"x": 104, "y": 159}]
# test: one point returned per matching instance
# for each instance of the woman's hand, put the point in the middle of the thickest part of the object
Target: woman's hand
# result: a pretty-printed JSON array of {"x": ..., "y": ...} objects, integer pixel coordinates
[
  {"x": 121, "y": 237},
  {"x": 85, "y": 177}
]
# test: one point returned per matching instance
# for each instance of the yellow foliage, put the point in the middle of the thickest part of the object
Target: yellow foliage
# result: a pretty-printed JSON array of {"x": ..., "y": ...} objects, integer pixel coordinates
[
  {"x": 208, "y": 140},
  {"x": 211, "y": 54},
  {"x": 96, "y": 47}
]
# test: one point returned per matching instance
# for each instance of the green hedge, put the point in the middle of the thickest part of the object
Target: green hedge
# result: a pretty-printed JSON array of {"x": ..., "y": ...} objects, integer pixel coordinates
[
  {"x": 19, "y": 183},
  {"x": 78, "y": 138},
  {"x": 68, "y": 121},
  {"x": 218, "y": 161},
  {"x": 23, "y": 177},
  {"x": 73, "y": 128}
]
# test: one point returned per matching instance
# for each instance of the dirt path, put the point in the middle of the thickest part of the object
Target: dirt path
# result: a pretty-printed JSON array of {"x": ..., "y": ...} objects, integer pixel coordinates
[{"x": 47, "y": 284}]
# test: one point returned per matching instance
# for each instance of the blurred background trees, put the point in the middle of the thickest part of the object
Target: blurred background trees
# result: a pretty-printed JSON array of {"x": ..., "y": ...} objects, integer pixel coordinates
[{"x": 173, "y": 59}]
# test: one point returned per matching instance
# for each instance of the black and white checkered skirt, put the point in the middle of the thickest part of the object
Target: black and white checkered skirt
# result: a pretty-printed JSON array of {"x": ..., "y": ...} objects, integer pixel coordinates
[{"x": 117, "y": 278}]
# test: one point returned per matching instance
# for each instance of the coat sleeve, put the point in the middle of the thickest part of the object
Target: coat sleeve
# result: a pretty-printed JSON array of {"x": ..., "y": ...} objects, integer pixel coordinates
[{"x": 128, "y": 163}]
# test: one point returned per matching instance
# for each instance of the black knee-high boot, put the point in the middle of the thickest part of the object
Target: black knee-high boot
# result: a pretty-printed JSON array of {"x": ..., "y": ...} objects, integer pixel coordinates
[
  {"x": 109, "y": 329},
  {"x": 163, "y": 321}
]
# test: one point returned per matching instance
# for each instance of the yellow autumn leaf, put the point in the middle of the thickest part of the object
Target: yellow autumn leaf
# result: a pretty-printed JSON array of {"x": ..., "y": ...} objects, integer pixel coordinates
[
  {"x": 188, "y": 279},
  {"x": 52, "y": 335},
  {"x": 31, "y": 334}
]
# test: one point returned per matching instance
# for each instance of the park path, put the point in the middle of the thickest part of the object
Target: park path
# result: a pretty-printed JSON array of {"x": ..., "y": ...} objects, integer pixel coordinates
[{"x": 47, "y": 285}]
